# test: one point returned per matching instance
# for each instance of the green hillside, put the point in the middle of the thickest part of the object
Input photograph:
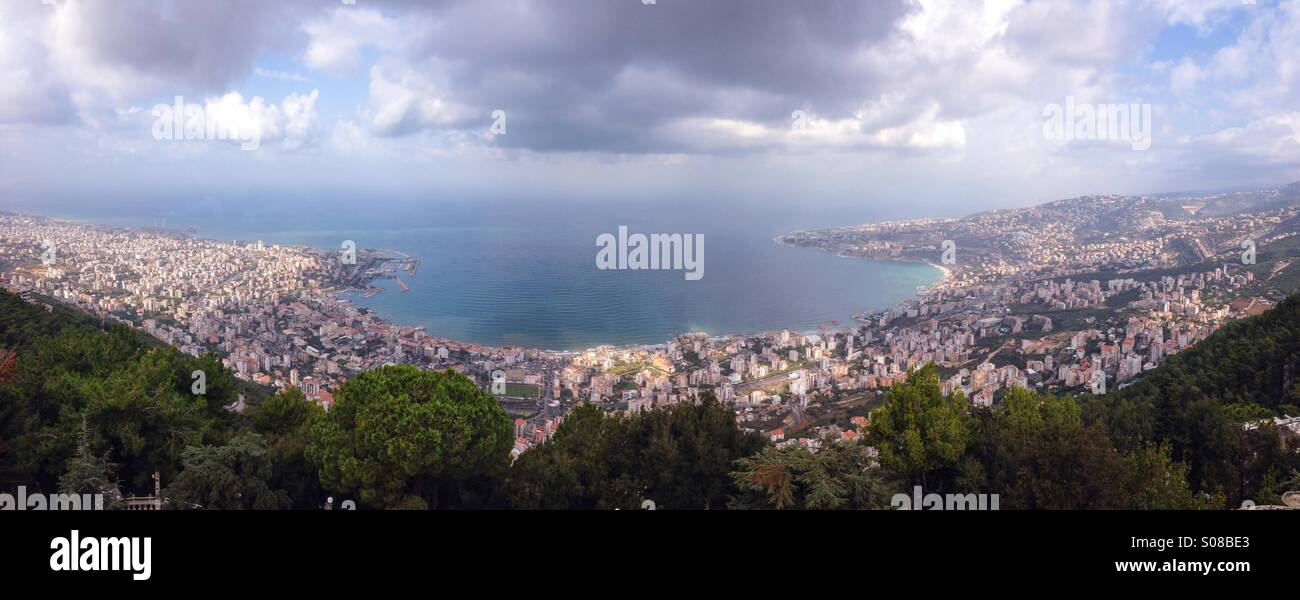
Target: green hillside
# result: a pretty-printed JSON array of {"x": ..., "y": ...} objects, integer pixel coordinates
[
  {"x": 1200, "y": 398},
  {"x": 89, "y": 408}
]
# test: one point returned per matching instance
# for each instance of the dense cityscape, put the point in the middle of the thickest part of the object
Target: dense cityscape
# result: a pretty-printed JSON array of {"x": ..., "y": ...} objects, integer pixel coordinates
[
  {"x": 1072, "y": 307},
  {"x": 372, "y": 293}
]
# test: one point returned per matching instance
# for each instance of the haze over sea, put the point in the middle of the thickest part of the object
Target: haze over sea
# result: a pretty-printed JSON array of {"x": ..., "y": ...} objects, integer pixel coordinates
[{"x": 524, "y": 273}]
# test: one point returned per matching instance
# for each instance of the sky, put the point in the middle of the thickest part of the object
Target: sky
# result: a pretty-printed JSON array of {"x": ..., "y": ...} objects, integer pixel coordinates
[{"x": 914, "y": 106}]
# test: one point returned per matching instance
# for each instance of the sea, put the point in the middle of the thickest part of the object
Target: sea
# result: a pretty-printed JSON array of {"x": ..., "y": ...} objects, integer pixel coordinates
[{"x": 513, "y": 272}]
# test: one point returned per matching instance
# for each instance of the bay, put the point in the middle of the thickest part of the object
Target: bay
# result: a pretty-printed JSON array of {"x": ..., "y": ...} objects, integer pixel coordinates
[{"x": 524, "y": 273}]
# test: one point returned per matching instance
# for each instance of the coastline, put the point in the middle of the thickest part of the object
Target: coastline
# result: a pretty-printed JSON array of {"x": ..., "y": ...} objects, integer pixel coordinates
[
  {"x": 945, "y": 275},
  {"x": 946, "y": 272},
  {"x": 350, "y": 293}
]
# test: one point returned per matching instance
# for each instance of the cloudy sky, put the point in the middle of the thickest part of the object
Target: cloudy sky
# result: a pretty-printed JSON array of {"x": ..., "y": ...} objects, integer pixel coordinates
[{"x": 909, "y": 104}]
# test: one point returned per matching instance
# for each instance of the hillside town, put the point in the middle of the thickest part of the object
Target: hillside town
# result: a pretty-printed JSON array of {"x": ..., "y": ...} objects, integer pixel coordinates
[{"x": 1068, "y": 309}]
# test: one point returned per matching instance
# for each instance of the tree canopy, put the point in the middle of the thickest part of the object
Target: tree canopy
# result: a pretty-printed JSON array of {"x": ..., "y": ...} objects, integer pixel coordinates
[
  {"x": 919, "y": 432},
  {"x": 679, "y": 457},
  {"x": 399, "y": 437},
  {"x": 839, "y": 476},
  {"x": 88, "y": 407}
]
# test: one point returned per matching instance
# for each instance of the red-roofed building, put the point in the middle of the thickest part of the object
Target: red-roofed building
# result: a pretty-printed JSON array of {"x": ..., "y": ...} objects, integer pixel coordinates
[
  {"x": 325, "y": 400},
  {"x": 1249, "y": 307}
]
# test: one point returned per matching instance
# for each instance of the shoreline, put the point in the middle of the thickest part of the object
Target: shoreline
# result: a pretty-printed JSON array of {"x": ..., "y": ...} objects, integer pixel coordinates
[
  {"x": 864, "y": 318},
  {"x": 944, "y": 276},
  {"x": 348, "y": 293},
  {"x": 945, "y": 273}
]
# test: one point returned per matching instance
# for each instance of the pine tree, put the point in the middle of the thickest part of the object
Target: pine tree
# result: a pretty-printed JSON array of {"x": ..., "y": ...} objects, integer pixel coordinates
[{"x": 90, "y": 474}]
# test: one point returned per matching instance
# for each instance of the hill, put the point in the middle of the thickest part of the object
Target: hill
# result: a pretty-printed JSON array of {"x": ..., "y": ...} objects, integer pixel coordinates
[
  {"x": 87, "y": 406},
  {"x": 78, "y": 383},
  {"x": 1200, "y": 401}
]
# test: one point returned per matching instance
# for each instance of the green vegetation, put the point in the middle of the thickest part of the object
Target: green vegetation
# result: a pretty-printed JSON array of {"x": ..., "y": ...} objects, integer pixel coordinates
[
  {"x": 130, "y": 401},
  {"x": 88, "y": 409},
  {"x": 232, "y": 476},
  {"x": 920, "y": 433},
  {"x": 400, "y": 437},
  {"x": 1173, "y": 440},
  {"x": 523, "y": 390},
  {"x": 624, "y": 369},
  {"x": 1197, "y": 401},
  {"x": 839, "y": 476},
  {"x": 794, "y": 366},
  {"x": 679, "y": 458},
  {"x": 285, "y": 421},
  {"x": 1035, "y": 452},
  {"x": 90, "y": 474}
]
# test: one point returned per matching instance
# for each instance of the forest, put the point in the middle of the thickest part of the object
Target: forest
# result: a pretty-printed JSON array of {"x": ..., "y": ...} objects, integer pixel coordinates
[{"x": 92, "y": 407}]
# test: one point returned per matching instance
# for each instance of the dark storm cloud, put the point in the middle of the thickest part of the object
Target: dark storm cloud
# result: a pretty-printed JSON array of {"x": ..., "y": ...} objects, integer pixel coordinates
[
  {"x": 204, "y": 44},
  {"x": 602, "y": 75},
  {"x": 128, "y": 49},
  {"x": 573, "y": 75}
]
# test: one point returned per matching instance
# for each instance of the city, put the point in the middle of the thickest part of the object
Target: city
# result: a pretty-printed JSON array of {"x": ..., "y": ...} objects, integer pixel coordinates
[
  {"x": 380, "y": 293},
  {"x": 1016, "y": 310}
]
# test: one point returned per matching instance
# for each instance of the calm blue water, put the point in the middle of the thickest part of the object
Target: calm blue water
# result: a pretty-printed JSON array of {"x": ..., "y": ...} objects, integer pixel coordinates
[{"x": 525, "y": 273}]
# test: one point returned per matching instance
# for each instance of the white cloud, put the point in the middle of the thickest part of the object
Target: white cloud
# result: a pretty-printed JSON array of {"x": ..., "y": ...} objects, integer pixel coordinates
[
  {"x": 1260, "y": 69},
  {"x": 296, "y": 121},
  {"x": 952, "y": 91},
  {"x": 335, "y": 42},
  {"x": 405, "y": 100},
  {"x": 924, "y": 131},
  {"x": 82, "y": 61},
  {"x": 1272, "y": 140},
  {"x": 349, "y": 137},
  {"x": 29, "y": 91},
  {"x": 292, "y": 124},
  {"x": 1199, "y": 13},
  {"x": 1185, "y": 76},
  {"x": 130, "y": 47}
]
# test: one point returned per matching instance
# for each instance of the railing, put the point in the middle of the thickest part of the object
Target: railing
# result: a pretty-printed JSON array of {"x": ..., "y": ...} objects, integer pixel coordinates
[{"x": 143, "y": 503}]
